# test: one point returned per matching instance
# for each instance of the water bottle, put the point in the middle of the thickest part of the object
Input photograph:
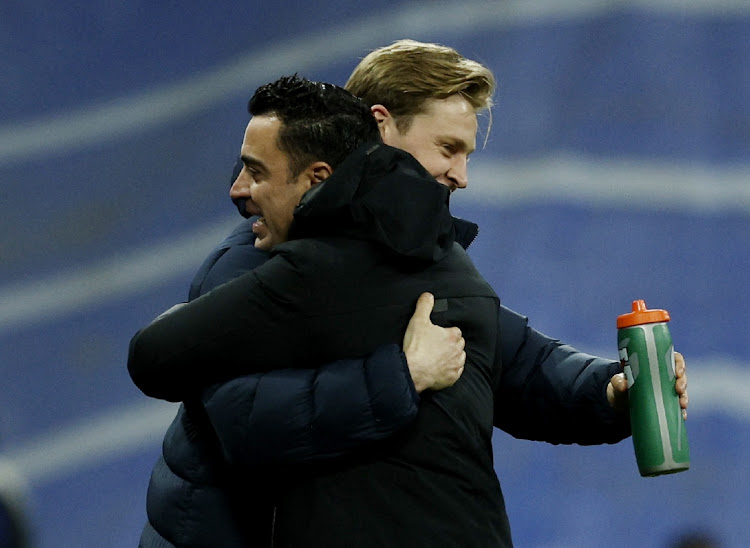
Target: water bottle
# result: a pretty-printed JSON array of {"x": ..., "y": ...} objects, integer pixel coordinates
[{"x": 647, "y": 356}]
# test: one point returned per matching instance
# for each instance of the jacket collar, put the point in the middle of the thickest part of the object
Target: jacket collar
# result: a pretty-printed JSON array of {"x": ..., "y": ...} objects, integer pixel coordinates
[
  {"x": 466, "y": 231},
  {"x": 380, "y": 194}
]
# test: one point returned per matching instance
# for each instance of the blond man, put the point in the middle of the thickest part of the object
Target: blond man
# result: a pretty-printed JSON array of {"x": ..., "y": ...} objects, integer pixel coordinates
[{"x": 425, "y": 98}]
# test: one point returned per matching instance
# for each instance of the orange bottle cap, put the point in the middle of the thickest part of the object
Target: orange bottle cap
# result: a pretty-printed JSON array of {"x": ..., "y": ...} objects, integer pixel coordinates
[{"x": 641, "y": 315}]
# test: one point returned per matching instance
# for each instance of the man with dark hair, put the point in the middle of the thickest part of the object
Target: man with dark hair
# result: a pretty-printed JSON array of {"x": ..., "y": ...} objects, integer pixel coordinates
[
  {"x": 194, "y": 498},
  {"x": 366, "y": 240}
]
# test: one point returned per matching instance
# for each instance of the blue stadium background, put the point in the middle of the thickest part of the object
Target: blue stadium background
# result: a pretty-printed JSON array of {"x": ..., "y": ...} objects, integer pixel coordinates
[{"x": 617, "y": 167}]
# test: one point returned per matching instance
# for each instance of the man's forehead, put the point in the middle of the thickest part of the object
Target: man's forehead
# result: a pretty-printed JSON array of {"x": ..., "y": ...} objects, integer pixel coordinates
[
  {"x": 260, "y": 144},
  {"x": 263, "y": 123},
  {"x": 453, "y": 117},
  {"x": 262, "y": 132}
]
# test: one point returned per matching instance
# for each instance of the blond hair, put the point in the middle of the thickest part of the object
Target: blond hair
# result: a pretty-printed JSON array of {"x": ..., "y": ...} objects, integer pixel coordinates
[{"x": 406, "y": 74}]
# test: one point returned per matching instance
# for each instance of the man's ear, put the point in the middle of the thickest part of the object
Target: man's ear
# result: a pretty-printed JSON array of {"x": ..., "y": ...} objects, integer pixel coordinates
[
  {"x": 380, "y": 113},
  {"x": 383, "y": 118},
  {"x": 319, "y": 172}
]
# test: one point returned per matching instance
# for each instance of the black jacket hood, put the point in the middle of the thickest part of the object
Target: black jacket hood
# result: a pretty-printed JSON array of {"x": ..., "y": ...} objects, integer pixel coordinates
[{"x": 380, "y": 194}]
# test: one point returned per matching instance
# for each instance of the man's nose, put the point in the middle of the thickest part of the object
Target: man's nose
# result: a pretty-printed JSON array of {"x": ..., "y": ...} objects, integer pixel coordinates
[
  {"x": 458, "y": 173},
  {"x": 240, "y": 188}
]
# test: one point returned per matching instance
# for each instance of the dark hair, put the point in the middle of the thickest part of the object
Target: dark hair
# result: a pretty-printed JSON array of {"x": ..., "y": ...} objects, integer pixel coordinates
[{"x": 319, "y": 121}]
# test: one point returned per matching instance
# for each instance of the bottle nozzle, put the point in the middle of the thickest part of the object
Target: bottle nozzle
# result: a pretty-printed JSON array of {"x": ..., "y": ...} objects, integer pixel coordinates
[{"x": 641, "y": 315}]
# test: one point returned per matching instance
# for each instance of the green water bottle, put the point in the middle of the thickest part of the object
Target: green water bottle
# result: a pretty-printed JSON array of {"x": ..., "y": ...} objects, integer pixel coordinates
[{"x": 647, "y": 356}]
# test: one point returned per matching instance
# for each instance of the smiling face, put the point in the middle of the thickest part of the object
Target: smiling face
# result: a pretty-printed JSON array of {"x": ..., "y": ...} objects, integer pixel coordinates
[
  {"x": 441, "y": 138},
  {"x": 266, "y": 182}
]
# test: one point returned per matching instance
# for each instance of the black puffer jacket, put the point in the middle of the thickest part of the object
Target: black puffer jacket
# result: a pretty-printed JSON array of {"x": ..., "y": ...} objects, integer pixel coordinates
[
  {"x": 367, "y": 242},
  {"x": 195, "y": 499}
]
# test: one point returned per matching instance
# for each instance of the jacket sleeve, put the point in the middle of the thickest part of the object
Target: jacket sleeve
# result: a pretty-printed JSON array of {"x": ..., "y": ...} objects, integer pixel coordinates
[
  {"x": 305, "y": 415},
  {"x": 549, "y": 391},
  {"x": 238, "y": 328}
]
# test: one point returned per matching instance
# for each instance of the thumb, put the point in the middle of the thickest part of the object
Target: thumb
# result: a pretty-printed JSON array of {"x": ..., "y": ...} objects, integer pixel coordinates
[
  {"x": 619, "y": 383},
  {"x": 425, "y": 303}
]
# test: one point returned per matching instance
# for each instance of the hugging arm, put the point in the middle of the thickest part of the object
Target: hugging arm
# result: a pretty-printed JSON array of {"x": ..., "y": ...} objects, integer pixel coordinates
[
  {"x": 303, "y": 415},
  {"x": 196, "y": 345},
  {"x": 549, "y": 391},
  {"x": 296, "y": 415}
]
